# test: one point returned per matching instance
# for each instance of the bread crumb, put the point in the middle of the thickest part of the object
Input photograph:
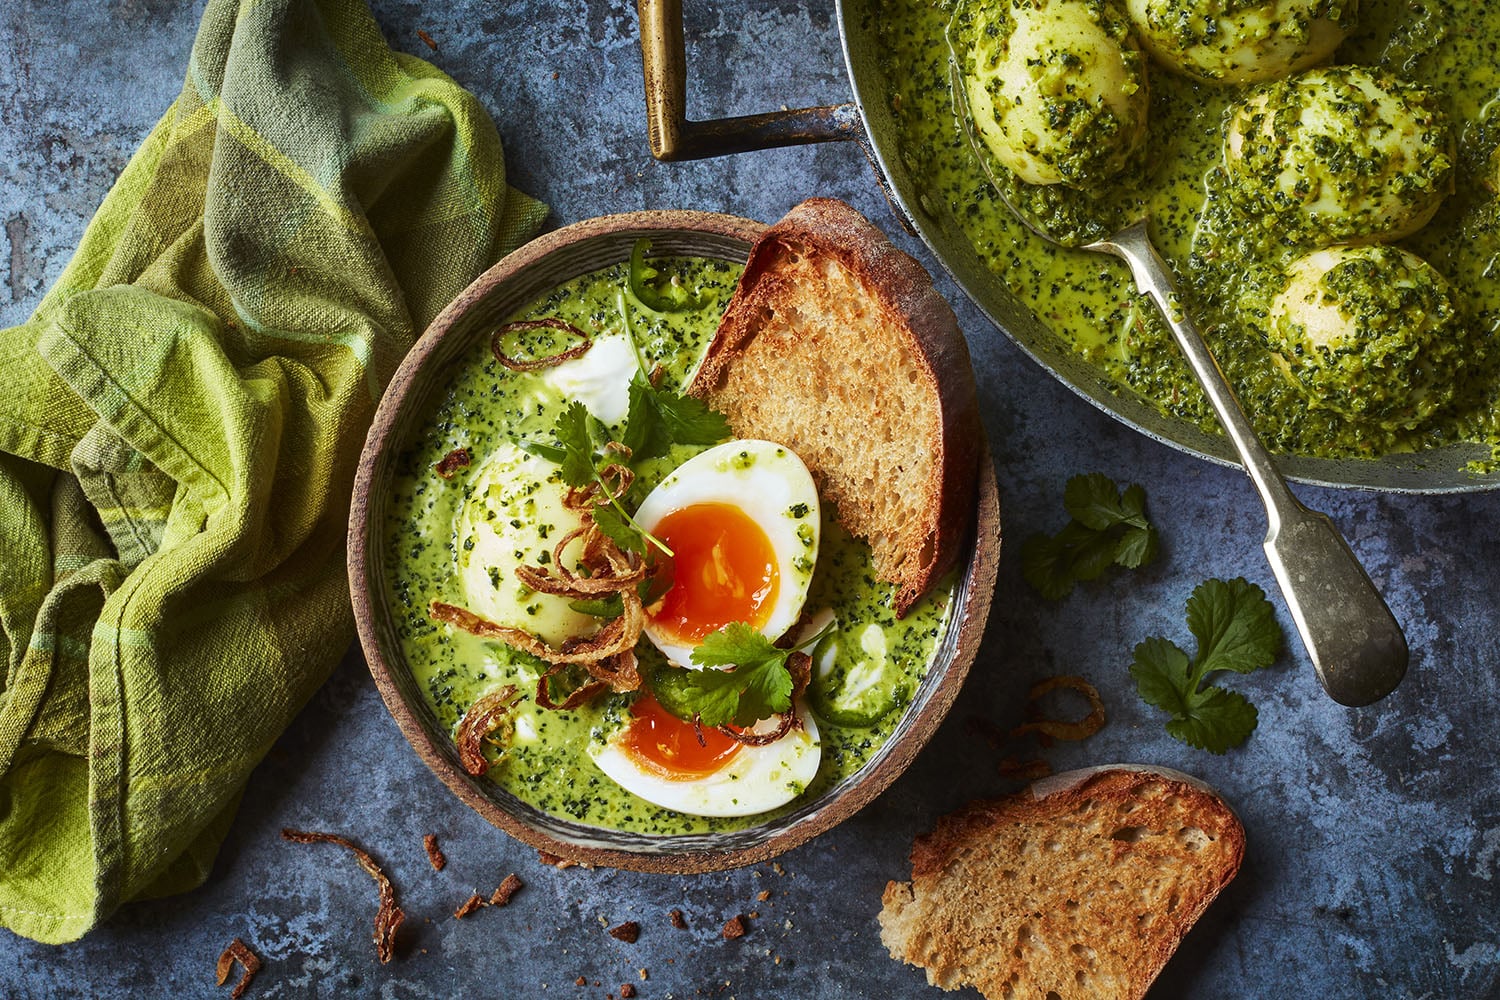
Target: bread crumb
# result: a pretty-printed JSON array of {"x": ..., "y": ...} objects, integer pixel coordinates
[
  {"x": 626, "y": 991},
  {"x": 763, "y": 895},
  {"x": 468, "y": 906},
  {"x": 644, "y": 974},
  {"x": 629, "y": 932},
  {"x": 580, "y": 981},
  {"x": 776, "y": 867},
  {"x": 734, "y": 927},
  {"x": 677, "y": 920}
]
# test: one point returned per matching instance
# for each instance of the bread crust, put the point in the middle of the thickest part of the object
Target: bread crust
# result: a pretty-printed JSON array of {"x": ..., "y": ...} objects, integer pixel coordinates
[
  {"x": 1141, "y": 818},
  {"x": 903, "y": 297}
]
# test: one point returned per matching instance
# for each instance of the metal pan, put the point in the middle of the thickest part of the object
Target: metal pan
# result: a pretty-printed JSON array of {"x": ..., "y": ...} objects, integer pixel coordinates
[{"x": 867, "y": 120}]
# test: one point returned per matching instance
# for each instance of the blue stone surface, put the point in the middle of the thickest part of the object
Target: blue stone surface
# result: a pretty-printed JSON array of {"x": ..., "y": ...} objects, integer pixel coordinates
[{"x": 1373, "y": 866}]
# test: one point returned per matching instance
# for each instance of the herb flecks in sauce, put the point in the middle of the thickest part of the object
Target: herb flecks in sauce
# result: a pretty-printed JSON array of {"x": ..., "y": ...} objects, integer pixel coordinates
[
  {"x": 1231, "y": 272},
  {"x": 487, "y": 410}
]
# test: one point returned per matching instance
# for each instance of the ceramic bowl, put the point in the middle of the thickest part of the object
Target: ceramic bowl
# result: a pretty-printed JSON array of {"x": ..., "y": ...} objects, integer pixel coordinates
[{"x": 413, "y": 393}]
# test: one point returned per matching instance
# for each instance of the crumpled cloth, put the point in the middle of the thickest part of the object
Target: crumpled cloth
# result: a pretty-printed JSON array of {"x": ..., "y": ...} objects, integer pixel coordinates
[{"x": 179, "y": 427}]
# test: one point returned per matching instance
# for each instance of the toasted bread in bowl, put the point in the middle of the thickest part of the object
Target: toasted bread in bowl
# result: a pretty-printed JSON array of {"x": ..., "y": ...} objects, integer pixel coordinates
[
  {"x": 1081, "y": 885},
  {"x": 837, "y": 346}
]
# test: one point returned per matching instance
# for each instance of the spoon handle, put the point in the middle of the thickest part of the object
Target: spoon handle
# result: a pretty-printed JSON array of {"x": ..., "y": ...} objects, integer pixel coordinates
[{"x": 1356, "y": 644}]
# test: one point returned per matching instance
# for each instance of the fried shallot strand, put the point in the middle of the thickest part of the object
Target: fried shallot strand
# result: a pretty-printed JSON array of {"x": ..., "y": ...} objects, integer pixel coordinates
[
  {"x": 389, "y": 918},
  {"x": 534, "y": 364},
  {"x": 478, "y": 722},
  {"x": 239, "y": 952},
  {"x": 785, "y": 723},
  {"x": 1062, "y": 730},
  {"x": 575, "y": 698}
]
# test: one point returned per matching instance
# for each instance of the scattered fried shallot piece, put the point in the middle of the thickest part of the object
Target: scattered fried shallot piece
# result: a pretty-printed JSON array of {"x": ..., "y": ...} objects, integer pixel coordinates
[
  {"x": 434, "y": 856},
  {"x": 785, "y": 723},
  {"x": 468, "y": 906},
  {"x": 1062, "y": 730},
  {"x": 239, "y": 952},
  {"x": 507, "y": 888},
  {"x": 576, "y": 697},
  {"x": 427, "y": 39},
  {"x": 612, "y": 639},
  {"x": 534, "y": 364},
  {"x": 629, "y": 932},
  {"x": 452, "y": 463},
  {"x": 478, "y": 722},
  {"x": 388, "y": 919},
  {"x": 734, "y": 927}
]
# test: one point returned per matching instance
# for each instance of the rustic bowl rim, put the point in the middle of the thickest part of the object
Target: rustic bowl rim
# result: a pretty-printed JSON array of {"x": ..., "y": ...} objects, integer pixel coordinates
[{"x": 436, "y": 749}]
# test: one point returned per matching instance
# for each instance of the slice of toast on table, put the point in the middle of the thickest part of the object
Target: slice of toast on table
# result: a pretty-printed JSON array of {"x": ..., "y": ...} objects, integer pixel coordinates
[
  {"x": 836, "y": 345},
  {"x": 1080, "y": 886}
]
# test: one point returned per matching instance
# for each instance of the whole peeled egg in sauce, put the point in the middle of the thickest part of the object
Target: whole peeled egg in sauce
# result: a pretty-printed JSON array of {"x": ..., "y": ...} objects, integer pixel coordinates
[
  {"x": 742, "y": 522},
  {"x": 1340, "y": 155},
  {"x": 1245, "y": 41},
  {"x": 1057, "y": 89},
  {"x": 1369, "y": 331}
]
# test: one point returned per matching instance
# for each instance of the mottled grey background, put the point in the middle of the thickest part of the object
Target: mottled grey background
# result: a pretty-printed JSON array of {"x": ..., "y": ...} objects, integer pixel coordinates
[{"x": 1374, "y": 835}]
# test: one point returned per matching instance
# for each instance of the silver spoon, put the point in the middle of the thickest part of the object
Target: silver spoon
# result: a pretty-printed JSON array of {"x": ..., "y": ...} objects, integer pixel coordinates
[{"x": 1356, "y": 645}]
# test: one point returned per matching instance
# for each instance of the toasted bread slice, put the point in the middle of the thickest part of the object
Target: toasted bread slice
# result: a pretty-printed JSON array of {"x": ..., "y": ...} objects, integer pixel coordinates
[
  {"x": 837, "y": 346},
  {"x": 1080, "y": 886}
]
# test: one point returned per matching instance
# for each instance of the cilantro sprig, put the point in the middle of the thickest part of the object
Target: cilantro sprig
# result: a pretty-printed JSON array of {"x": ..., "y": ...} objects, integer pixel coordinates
[
  {"x": 1108, "y": 528},
  {"x": 655, "y": 420},
  {"x": 746, "y": 678},
  {"x": 1236, "y": 631}
]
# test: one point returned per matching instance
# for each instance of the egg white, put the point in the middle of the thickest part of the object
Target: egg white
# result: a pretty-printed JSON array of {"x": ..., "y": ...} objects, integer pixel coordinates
[
  {"x": 513, "y": 514},
  {"x": 774, "y": 489},
  {"x": 754, "y": 780}
]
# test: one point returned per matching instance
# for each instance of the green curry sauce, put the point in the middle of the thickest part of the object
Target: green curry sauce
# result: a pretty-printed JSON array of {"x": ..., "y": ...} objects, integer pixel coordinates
[
  {"x": 1230, "y": 270},
  {"x": 545, "y": 764}
]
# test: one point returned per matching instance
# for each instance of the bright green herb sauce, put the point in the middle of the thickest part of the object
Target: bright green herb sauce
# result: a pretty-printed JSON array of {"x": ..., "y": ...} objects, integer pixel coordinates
[
  {"x": 1230, "y": 272},
  {"x": 486, "y": 407}
]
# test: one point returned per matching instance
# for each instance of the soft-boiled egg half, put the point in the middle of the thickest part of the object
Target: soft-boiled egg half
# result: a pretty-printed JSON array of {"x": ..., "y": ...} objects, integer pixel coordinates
[
  {"x": 659, "y": 758},
  {"x": 741, "y": 520}
]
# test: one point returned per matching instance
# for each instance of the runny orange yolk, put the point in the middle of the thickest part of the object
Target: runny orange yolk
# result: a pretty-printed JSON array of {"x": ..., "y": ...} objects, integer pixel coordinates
[
  {"x": 664, "y": 744},
  {"x": 723, "y": 570}
]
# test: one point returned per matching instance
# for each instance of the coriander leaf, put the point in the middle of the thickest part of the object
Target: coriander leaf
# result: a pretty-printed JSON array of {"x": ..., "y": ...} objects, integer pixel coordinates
[
  {"x": 612, "y": 606},
  {"x": 643, "y": 433},
  {"x": 1090, "y": 552},
  {"x": 689, "y": 420},
  {"x": 619, "y": 529},
  {"x": 1236, "y": 631},
  {"x": 1235, "y": 626},
  {"x": 551, "y": 453},
  {"x": 713, "y": 695},
  {"x": 1046, "y": 566},
  {"x": 1160, "y": 670},
  {"x": 1137, "y": 547},
  {"x": 1107, "y": 529},
  {"x": 577, "y": 445},
  {"x": 1218, "y": 720},
  {"x": 1094, "y": 501},
  {"x": 759, "y": 678}
]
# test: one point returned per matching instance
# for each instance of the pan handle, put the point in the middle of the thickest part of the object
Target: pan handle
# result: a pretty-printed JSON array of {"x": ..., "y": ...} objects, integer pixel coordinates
[{"x": 675, "y": 137}]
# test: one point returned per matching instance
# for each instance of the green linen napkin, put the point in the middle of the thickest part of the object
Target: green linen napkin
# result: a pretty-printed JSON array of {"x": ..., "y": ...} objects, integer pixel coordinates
[{"x": 179, "y": 426}]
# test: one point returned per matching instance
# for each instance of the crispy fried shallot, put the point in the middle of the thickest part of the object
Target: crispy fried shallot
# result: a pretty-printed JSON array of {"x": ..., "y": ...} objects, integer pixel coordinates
[
  {"x": 239, "y": 952},
  {"x": 507, "y": 888},
  {"x": 388, "y": 919},
  {"x": 434, "y": 855},
  {"x": 452, "y": 463},
  {"x": 482, "y": 718},
  {"x": 534, "y": 364},
  {"x": 1063, "y": 730}
]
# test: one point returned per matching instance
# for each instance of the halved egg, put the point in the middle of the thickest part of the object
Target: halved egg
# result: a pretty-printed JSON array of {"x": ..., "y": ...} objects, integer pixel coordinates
[
  {"x": 742, "y": 522},
  {"x": 513, "y": 515},
  {"x": 659, "y": 758}
]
